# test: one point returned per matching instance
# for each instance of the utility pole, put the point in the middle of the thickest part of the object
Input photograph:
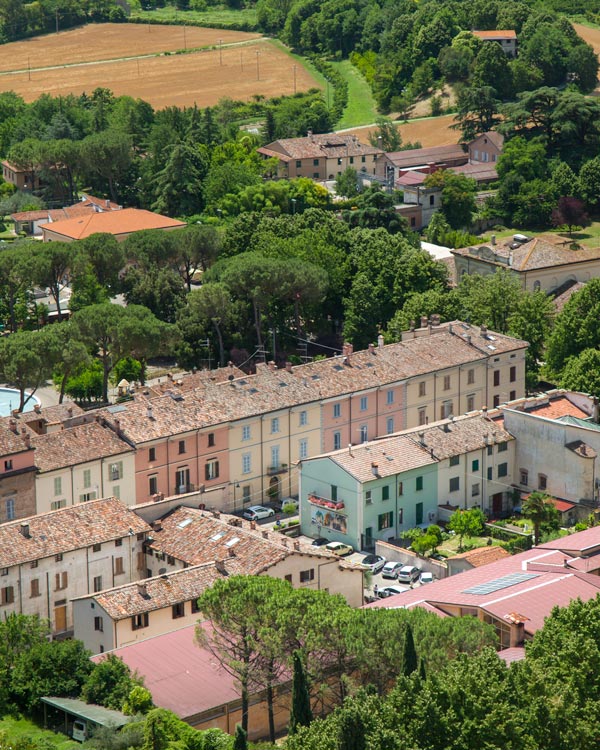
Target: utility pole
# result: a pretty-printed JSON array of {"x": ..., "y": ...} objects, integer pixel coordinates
[
  {"x": 294, "y": 79},
  {"x": 257, "y": 65},
  {"x": 184, "y": 39},
  {"x": 29, "y": 67},
  {"x": 57, "y": 20},
  {"x": 220, "y": 51}
]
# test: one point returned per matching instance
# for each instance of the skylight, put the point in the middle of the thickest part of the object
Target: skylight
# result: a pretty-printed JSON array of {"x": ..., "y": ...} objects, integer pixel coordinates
[
  {"x": 489, "y": 587},
  {"x": 184, "y": 523},
  {"x": 233, "y": 541},
  {"x": 218, "y": 536}
]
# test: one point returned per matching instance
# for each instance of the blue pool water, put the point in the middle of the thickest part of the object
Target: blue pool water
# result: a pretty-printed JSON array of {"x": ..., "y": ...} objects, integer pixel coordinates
[{"x": 9, "y": 400}]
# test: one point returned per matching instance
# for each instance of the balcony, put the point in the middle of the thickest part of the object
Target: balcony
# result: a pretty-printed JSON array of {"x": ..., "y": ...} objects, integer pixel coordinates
[
  {"x": 181, "y": 489},
  {"x": 323, "y": 502},
  {"x": 277, "y": 469}
]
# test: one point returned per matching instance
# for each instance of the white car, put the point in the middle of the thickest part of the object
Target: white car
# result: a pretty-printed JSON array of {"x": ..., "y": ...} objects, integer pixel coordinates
[
  {"x": 391, "y": 569},
  {"x": 256, "y": 512},
  {"x": 408, "y": 574},
  {"x": 425, "y": 578}
]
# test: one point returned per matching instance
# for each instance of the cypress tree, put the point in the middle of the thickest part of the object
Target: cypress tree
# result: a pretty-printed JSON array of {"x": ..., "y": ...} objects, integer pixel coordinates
[
  {"x": 410, "y": 663},
  {"x": 351, "y": 732},
  {"x": 301, "y": 713}
]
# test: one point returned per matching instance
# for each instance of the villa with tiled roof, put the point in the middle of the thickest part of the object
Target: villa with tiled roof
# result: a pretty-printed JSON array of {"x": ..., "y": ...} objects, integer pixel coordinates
[{"x": 118, "y": 223}]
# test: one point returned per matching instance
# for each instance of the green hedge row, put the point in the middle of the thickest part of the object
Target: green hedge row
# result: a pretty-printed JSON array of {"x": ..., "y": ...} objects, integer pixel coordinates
[{"x": 339, "y": 84}]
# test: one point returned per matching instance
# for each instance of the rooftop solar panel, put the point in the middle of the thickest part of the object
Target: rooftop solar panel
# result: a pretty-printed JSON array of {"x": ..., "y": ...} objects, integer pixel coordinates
[{"x": 512, "y": 579}]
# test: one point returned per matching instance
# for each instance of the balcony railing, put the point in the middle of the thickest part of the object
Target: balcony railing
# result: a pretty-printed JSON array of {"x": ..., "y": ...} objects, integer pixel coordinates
[
  {"x": 324, "y": 502},
  {"x": 277, "y": 469},
  {"x": 181, "y": 489}
]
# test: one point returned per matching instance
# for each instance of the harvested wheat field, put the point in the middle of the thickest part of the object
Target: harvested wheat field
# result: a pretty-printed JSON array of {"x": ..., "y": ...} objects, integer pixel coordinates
[
  {"x": 251, "y": 67},
  {"x": 434, "y": 131},
  {"x": 589, "y": 35}
]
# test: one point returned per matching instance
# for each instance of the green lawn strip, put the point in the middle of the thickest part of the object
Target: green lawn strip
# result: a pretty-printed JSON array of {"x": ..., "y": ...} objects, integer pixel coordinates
[
  {"x": 583, "y": 21},
  {"x": 20, "y": 728},
  {"x": 303, "y": 61},
  {"x": 588, "y": 236},
  {"x": 361, "y": 108},
  {"x": 221, "y": 16}
]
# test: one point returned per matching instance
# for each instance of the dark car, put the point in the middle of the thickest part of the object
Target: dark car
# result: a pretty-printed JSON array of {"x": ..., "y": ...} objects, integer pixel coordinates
[{"x": 320, "y": 541}]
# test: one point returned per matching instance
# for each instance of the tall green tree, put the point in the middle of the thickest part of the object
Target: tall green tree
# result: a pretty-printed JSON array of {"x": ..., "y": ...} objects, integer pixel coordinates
[
  {"x": 51, "y": 262},
  {"x": 301, "y": 712},
  {"x": 409, "y": 659},
  {"x": 538, "y": 510}
]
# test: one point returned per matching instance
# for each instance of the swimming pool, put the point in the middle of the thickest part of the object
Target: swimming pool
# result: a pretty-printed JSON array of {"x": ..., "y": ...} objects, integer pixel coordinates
[{"x": 9, "y": 400}]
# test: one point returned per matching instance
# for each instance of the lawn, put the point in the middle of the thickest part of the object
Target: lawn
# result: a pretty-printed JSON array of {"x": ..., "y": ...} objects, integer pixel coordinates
[
  {"x": 449, "y": 548},
  {"x": 217, "y": 16},
  {"x": 25, "y": 728},
  {"x": 361, "y": 108},
  {"x": 588, "y": 237}
]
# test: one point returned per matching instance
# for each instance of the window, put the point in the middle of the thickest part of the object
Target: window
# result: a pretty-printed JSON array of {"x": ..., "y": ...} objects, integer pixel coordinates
[
  {"x": 307, "y": 575},
  {"x": 178, "y": 610},
  {"x": 364, "y": 433},
  {"x": 368, "y": 497},
  {"x": 170, "y": 560},
  {"x": 363, "y": 403},
  {"x": 33, "y": 564},
  {"x": 303, "y": 418},
  {"x": 422, "y": 388},
  {"x": 153, "y": 485},
  {"x": 8, "y": 465},
  {"x": 475, "y": 465},
  {"x": 139, "y": 621},
  {"x": 337, "y": 441},
  {"x": 275, "y": 424},
  {"x": 446, "y": 382},
  {"x": 151, "y": 454},
  {"x": 337, "y": 410},
  {"x": 315, "y": 162},
  {"x": 246, "y": 463},
  {"x": 385, "y": 521},
  {"x": 56, "y": 504},
  {"x": 288, "y": 577},
  {"x": 496, "y": 377},
  {"x": 211, "y": 439},
  {"x": 389, "y": 398},
  {"x": 115, "y": 471},
  {"x": 512, "y": 395},
  {"x": 490, "y": 475},
  {"x": 298, "y": 164},
  {"x": 475, "y": 490},
  {"x": 334, "y": 493},
  {"x": 97, "y": 583},
  {"x": 454, "y": 484},
  {"x": 513, "y": 374},
  {"x": 502, "y": 470},
  {"x": 87, "y": 478},
  {"x": 35, "y": 588},
  {"x": 454, "y": 460},
  {"x": 181, "y": 446},
  {"x": 490, "y": 450},
  {"x": 419, "y": 484},
  {"x": 432, "y": 200},
  {"x": 470, "y": 402},
  {"x": 542, "y": 481},
  {"x": 523, "y": 477},
  {"x": 96, "y": 547},
  {"x": 61, "y": 581},
  {"x": 119, "y": 567},
  {"x": 537, "y": 285},
  {"x": 87, "y": 496},
  {"x": 351, "y": 160},
  {"x": 303, "y": 449},
  {"x": 10, "y": 509},
  {"x": 447, "y": 409},
  {"x": 422, "y": 417},
  {"x": 385, "y": 492},
  {"x": 502, "y": 447},
  {"x": 363, "y": 159},
  {"x": 246, "y": 492},
  {"x": 99, "y": 624},
  {"x": 246, "y": 432},
  {"x": 400, "y": 488},
  {"x": 389, "y": 425},
  {"x": 496, "y": 401},
  {"x": 339, "y": 161},
  {"x": 8, "y": 595},
  {"x": 470, "y": 377},
  {"x": 316, "y": 175},
  {"x": 57, "y": 486},
  {"x": 211, "y": 469},
  {"x": 4, "y": 571},
  {"x": 195, "y": 607}
]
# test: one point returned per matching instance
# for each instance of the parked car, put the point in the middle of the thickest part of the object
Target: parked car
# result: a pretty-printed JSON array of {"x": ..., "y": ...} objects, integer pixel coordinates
[
  {"x": 256, "y": 512},
  {"x": 390, "y": 591},
  {"x": 320, "y": 541},
  {"x": 374, "y": 562},
  {"x": 425, "y": 578},
  {"x": 391, "y": 569},
  {"x": 290, "y": 501},
  {"x": 339, "y": 548},
  {"x": 408, "y": 574}
]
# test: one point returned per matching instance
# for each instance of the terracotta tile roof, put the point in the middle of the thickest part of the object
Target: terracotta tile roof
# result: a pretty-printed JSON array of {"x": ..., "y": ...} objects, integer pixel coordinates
[
  {"x": 196, "y": 537},
  {"x": 71, "y": 528},
  {"x": 556, "y": 408},
  {"x": 54, "y": 414},
  {"x": 87, "y": 205},
  {"x": 325, "y": 145},
  {"x": 561, "y": 505},
  {"x": 492, "y": 135},
  {"x": 416, "y": 157},
  {"x": 509, "y": 655},
  {"x": 497, "y": 34},
  {"x": 187, "y": 381},
  {"x": 482, "y": 555},
  {"x": 479, "y": 171},
  {"x": 539, "y": 252},
  {"x": 113, "y": 222},
  {"x": 29, "y": 215},
  {"x": 156, "y": 593},
  {"x": 76, "y": 445},
  {"x": 10, "y": 442},
  {"x": 461, "y": 435},
  {"x": 564, "y": 292},
  {"x": 412, "y": 179},
  {"x": 267, "y": 390},
  {"x": 385, "y": 457}
]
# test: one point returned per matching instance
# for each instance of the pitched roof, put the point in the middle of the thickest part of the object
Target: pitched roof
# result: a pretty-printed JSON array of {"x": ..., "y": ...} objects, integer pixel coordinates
[
  {"x": 416, "y": 157},
  {"x": 564, "y": 292},
  {"x": 120, "y": 222},
  {"x": 538, "y": 252},
  {"x": 158, "y": 592},
  {"x": 492, "y": 135},
  {"x": 482, "y": 555},
  {"x": 76, "y": 445},
  {"x": 196, "y": 537},
  {"x": 496, "y": 34},
  {"x": 10, "y": 442},
  {"x": 461, "y": 435},
  {"x": 88, "y": 204},
  {"x": 554, "y": 408},
  {"x": 66, "y": 529},
  {"x": 325, "y": 145}
]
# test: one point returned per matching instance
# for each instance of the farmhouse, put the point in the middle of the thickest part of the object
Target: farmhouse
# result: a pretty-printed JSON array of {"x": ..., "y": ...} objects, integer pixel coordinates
[
  {"x": 506, "y": 38},
  {"x": 118, "y": 223}
]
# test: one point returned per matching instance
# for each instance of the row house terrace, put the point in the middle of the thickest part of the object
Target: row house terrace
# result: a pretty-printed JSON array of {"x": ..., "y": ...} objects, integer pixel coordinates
[{"x": 51, "y": 558}]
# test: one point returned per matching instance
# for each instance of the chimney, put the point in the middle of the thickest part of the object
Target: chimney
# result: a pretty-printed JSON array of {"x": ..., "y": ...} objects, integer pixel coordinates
[
  {"x": 118, "y": 425},
  {"x": 170, "y": 376},
  {"x": 13, "y": 425},
  {"x": 70, "y": 411},
  {"x": 350, "y": 450},
  {"x": 371, "y": 348},
  {"x": 435, "y": 319},
  {"x": 297, "y": 546},
  {"x": 220, "y": 566},
  {"x": 27, "y": 439},
  {"x": 142, "y": 589},
  {"x": 468, "y": 338},
  {"x": 272, "y": 367},
  {"x": 37, "y": 408},
  {"x": 216, "y": 514},
  {"x": 422, "y": 438},
  {"x": 493, "y": 240},
  {"x": 309, "y": 134},
  {"x": 483, "y": 330},
  {"x": 265, "y": 534},
  {"x": 424, "y": 321},
  {"x": 252, "y": 525},
  {"x": 380, "y": 341},
  {"x": 157, "y": 525},
  {"x": 24, "y": 529},
  {"x": 288, "y": 366},
  {"x": 107, "y": 203},
  {"x": 231, "y": 552},
  {"x": 350, "y": 348},
  {"x": 149, "y": 412},
  {"x": 375, "y": 469}
]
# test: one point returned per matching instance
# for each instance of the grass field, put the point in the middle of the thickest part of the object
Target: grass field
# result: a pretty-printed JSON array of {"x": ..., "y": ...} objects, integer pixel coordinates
[
  {"x": 220, "y": 16},
  {"x": 588, "y": 236},
  {"x": 20, "y": 728},
  {"x": 131, "y": 63},
  {"x": 361, "y": 108}
]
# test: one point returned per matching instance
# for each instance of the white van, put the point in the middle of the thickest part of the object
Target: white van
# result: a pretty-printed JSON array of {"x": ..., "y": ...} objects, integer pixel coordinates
[{"x": 80, "y": 730}]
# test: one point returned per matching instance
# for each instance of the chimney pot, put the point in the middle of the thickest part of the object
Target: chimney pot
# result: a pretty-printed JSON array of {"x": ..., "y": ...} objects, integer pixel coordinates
[
  {"x": 37, "y": 408},
  {"x": 13, "y": 426},
  {"x": 296, "y": 545},
  {"x": 27, "y": 440},
  {"x": 70, "y": 411},
  {"x": 24, "y": 529},
  {"x": 288, "y": 366},
  {"x": 372, "y": 348},
  {"x": 424, "y": 321},
  {"x": 272, "y": 367},
  {"x": 157, "y": 525},
  {"x": 142, "y": 589},
  {"x": 265, "y": 534},
  {"x": 380, "y": 341},
  {"x": 220, "y": 566},
  {"x": 149, "y": 413},
  {"x": 231, "y": 552},
  {"x": 252, "y": 525}
]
